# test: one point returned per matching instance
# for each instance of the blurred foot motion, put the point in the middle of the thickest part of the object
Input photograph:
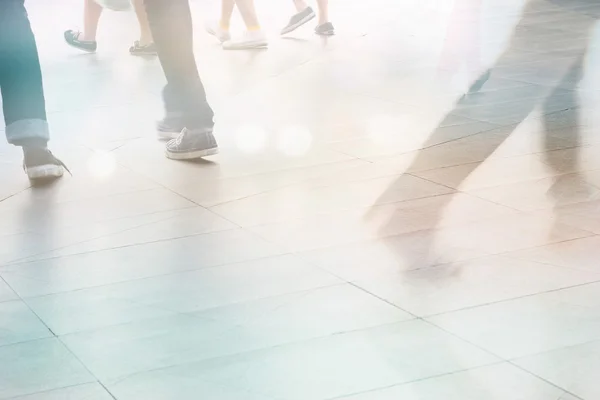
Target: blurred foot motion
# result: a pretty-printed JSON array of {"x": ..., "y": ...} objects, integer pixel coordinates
[
  {"x": 252, "y": 38},
  {"x": 92, "y": 11},
  {"x": 186, "y": 106}
]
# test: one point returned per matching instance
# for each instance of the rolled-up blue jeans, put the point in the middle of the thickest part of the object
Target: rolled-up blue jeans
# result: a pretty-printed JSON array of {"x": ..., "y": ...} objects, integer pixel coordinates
[{"x": 23, "y": 102}]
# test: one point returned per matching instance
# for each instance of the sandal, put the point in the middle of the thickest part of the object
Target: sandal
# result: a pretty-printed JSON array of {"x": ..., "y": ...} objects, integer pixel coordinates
[{"x": 146, "y": 50}]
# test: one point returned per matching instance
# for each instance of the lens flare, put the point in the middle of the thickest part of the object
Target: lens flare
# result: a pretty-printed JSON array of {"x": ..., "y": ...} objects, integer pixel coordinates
[
  {"x": 294, "y": 141},
  {"x": 102, "y": 164},
  {"x": 250, "y": 139}
]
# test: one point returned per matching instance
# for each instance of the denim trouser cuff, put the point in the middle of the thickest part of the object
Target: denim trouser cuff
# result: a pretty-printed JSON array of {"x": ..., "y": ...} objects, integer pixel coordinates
[{"x": 27, "y": 130}]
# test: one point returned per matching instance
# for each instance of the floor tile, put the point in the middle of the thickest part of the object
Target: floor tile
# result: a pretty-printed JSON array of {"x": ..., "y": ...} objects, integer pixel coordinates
[
  {"x": 38, "y": 366},
  {"x": 43, "y": 217},
  {"x": 90, "y": 391},
  {"x": 580, "y": 215},
  {"x": 218, "y": 286},
  {"x": 6, "y": 293},
  {"x": 49, "y": 241},
  {"x": 95, "y": 269},
  {"x": 19, "y": 324},
  {"x": 298, "y": 202},
  {"x": 228, "y": 330},
  {"x": 572, "y": 368},
  {"x": 574, "y": 254},
  {"x": 497, "y": 382},
  {"x": 530, "y": 325},
  {"x": 146, "y": 229},
  {"x": 341, "y": 228},
  {"x": 544, "y": 193},
  {"x": 70, "y": 312},
  {"x": 490, "y": 173},
  {"x": 325, "y": 368},
  {"x": 468, "y": 284}
]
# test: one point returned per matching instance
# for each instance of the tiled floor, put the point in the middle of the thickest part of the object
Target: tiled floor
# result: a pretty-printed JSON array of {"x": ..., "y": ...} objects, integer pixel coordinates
[{"x": 372, "y": 230}]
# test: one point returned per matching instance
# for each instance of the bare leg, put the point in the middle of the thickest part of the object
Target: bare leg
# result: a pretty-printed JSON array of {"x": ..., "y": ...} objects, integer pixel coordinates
[
  {"x": 248, "y": 12},
  {"x": 323, "y": 11},
  {"x": 301, "y": 5},
  {"x": 227, "y": 7},
  {"x": 91, "y": 16},
  {"x": 140, "y": 12}
]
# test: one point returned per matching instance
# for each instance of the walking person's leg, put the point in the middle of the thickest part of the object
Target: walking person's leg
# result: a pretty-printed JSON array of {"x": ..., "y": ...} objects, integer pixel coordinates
[
  {"x": 92, "y": 11},
  {"x": 325, "y": 26},
  {"x": 86, "y": 40},
  {"x": 220, "y": 29},
  {"x": 145, "y": 45},
  {"x": 185, "y": 98},
  {"x": 254, "y": 37},
  {"x": 23, "y": 100}
]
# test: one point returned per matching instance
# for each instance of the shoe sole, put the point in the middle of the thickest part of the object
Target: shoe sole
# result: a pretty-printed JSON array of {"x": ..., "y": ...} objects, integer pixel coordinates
[
  {"x": 326, "y": 33},
  {"x": 292, "y": 28},
  {"x": 45, "y": 172},
  {"x": 249, "y": 46},
  {"x": 144, "y": 53},
  {"x": 191, "y": 155},
  {"x": 73, "y": 45}
]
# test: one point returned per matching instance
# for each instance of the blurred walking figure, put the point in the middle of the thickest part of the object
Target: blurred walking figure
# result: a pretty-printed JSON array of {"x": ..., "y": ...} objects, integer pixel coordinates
[
  {"x": 23, "y": 93},
  {"x": 305, "y": 14},
  {"x": 189, "y": 118},
  {"x": 92, "y": 11},
  {"x": 253, "y": 38}
]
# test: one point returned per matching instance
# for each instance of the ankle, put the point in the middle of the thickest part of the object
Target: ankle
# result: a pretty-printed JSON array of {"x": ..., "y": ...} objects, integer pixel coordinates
[
  {"x": 29, "y": 145},
  {"x": 224, "y": 25},
  {"x": 145, "y": 40},
  {"x": 83, "y": 37},
  {"x": 301, "y": 6}
]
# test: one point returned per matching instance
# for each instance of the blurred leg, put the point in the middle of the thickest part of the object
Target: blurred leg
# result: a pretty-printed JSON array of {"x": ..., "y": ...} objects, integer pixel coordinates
[
  {"x": 140, "y": 12},
  {"x": 248, "y": 12},
  {"x": 91, "y": 16},
  {"x": 227, "y": 7},
  {"x": 323, "y": 11},
  {"x": 171, "y": 26},
  {"x": 301, "y": 5}
]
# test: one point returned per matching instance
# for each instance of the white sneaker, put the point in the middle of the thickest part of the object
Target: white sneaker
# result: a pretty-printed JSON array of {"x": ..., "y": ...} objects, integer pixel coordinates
[
  {"x": 215, "y": 30},
  {"x": 250, "y": 40}
]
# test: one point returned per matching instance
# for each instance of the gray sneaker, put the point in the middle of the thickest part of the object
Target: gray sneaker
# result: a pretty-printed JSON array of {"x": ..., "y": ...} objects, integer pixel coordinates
[
  {"x": 192, "y": 144},
  {"x": 170, "y": 126},
  {"x": 298, "y": 20}
]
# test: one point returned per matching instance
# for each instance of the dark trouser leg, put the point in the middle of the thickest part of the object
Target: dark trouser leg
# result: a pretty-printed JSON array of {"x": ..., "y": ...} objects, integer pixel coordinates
[
  {"x": 21, "y": 78},
  {"x": 171, "y": 26}
]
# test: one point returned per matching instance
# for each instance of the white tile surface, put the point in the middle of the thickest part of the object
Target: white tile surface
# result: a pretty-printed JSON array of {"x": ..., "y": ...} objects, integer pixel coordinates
[
  {"x": 333, "y": 366},
  {"x": 38, "y": 366},
  {"x": 89, "y": 391},
  {"x": 19, "y": 324},
  {"x": 497, "y": 382},
  {"x": 532, "y": 324}
]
